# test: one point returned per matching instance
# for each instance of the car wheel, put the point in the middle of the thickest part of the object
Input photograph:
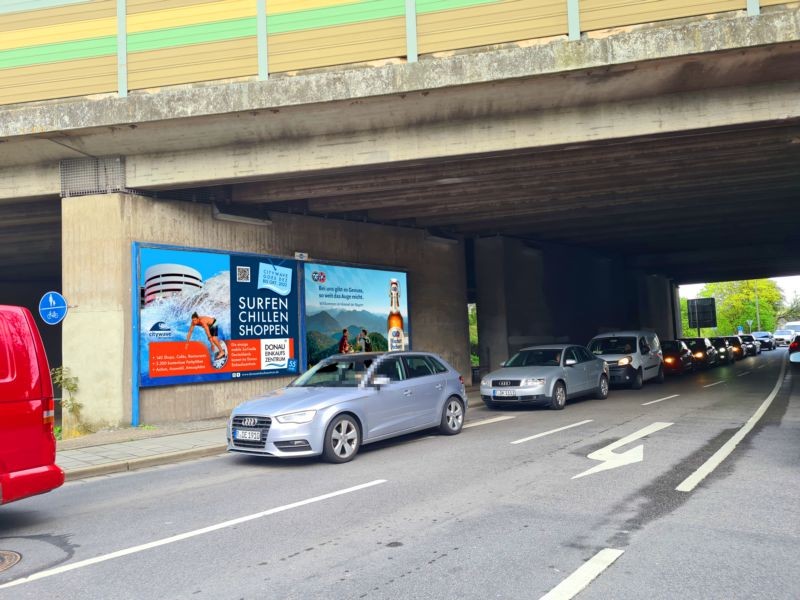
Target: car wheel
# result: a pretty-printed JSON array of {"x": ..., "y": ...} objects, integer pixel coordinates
[
  {"x": 342, "y": 440},
  {"x": 638, "y": 380},
  {"x": 452, "y": 416},
  {"x": 559, "y": 398},
  {"x": 660, "y": 376},
  {"x": 602, "y": 388}
]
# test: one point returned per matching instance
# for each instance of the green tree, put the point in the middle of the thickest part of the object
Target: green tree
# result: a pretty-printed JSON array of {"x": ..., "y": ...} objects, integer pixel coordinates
[
  {"x": 472, "y": 313},
  {"x": 736, "y": 304}
]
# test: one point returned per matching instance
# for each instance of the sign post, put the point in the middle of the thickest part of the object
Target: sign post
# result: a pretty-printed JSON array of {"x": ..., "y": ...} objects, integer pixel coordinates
[
  {"x": 702, "y": 313},
  {"x": 52, "y": 308}
]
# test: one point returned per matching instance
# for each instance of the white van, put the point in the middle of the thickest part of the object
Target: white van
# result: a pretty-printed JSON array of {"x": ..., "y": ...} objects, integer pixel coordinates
[{"x": 633, "y": 357}]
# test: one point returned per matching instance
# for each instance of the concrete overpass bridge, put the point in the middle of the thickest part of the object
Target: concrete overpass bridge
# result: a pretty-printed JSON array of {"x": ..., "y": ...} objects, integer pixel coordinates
[{"x": 564, "y": 164}]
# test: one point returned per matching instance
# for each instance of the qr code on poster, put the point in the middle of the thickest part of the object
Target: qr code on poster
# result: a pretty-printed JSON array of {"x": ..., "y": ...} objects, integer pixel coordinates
[{"x": 242, "y": 274}]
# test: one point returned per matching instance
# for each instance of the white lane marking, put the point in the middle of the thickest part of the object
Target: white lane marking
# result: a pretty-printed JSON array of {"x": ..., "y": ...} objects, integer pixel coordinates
[
  {"x": 544, "y": 433},
  {"x": 743, "y": 374},
  {"x": 586, "y": 573},
  {"x": 716, "y": 459},
  {"x": 611, "y": 460},
  {"x": 661, "y": 399},
  {"x": 185, "y": 536},
  {"x": 713, "y": 384},
  {"x": 761, "y": 367},
  {"x": 488, "y": 421}
]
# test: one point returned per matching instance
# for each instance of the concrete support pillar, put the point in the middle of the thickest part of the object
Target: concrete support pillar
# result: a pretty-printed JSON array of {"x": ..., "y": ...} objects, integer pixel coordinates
[
  {"x": 96, "y": 281},
  {"x": 656, "y": 300}
]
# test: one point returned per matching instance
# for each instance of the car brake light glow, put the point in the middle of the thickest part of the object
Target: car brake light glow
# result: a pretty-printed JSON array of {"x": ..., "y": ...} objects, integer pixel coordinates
[
  {"x": 699, "y": 355},
  {"x": 669, "y": 359}
]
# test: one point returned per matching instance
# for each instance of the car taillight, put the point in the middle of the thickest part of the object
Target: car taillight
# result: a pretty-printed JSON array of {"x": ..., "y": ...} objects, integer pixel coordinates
[
  {"x": 48, "y": 414},
  {"x": 794, "y": 346},
  {"x": 461, "y": 379}
]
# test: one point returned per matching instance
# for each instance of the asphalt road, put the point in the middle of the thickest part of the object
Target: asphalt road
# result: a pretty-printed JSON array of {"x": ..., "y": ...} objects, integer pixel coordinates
[{"x": 471, "y": 516}]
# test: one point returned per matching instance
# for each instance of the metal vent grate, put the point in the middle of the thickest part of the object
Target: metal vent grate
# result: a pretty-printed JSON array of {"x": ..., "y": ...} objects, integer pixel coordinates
[{"x": 87, "y": 176}]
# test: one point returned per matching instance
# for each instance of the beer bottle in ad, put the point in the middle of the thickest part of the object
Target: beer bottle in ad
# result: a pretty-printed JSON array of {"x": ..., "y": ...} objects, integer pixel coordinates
[{"x": 396, "y": 337}]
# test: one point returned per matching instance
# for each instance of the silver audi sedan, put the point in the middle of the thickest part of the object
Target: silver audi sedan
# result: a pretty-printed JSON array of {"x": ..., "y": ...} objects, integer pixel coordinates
[
  {"x": 348, "y": 400},
  {"x": 546, "y": 375}
]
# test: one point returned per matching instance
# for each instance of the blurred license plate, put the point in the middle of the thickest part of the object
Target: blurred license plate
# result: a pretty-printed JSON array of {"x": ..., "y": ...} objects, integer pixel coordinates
[
  {"x": 244, "y": 434},
  {"x": 505, "y": 394}
]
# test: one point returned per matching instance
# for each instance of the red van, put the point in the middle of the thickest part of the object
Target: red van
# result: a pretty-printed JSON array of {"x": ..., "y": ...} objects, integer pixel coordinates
[{"x": 27, "y": 410}]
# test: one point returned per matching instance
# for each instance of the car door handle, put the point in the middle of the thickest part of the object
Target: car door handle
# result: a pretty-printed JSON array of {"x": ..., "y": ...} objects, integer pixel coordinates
[
  {"x": 407, "y": 392},
  {"x": 439, "y": 386}
]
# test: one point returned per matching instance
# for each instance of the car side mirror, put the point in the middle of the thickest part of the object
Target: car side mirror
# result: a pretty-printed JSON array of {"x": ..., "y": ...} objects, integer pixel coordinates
[
  {"x": 570, "y": 362},
  {"x": 380, "y": 381},
  {"x": 502, "y": 364}
]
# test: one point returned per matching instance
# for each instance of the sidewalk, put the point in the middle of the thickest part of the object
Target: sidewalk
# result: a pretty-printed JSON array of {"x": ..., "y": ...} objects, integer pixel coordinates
[{"x": 128, "y": 449}]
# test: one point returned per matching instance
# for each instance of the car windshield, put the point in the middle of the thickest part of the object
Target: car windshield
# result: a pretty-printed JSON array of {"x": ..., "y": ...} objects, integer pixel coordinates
[
  {"x": 718, "y": 341},
  {"x": 735, "y": 341},
  {"x": 612, "y": 345},
  {"x": 746, "y": 338},
  {"x": 541, "y": 357},
  {"x": 762, "y": 333},
  {"x": 784, "y": 332},
  {"x": 696, "y": 343},
  {"x": 343, "y": 372},
  {"x": 671, "y": 346}
]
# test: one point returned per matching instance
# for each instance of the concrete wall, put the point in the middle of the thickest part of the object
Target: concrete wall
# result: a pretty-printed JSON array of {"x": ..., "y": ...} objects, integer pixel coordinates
[
  {"x": 97, "y": 236},
  {"x": 556, "y": 294}
]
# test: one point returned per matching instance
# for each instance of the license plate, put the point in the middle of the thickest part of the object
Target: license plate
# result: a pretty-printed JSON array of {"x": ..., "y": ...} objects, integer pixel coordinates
[
  {"x": 245, "y": 434},
  {"x": 505, "y": 394}
]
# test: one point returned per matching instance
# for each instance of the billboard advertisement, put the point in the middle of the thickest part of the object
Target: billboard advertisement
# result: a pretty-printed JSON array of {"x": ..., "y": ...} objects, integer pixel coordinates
[
  {"x": 354, "y": 309},
  {"x": 208, "y": 316}
]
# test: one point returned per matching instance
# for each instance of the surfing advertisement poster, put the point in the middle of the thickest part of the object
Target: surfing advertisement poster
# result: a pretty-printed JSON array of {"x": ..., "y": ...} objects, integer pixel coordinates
[
  {"x": 353, "y": 309},
  {"x": 208, "y": 316}
]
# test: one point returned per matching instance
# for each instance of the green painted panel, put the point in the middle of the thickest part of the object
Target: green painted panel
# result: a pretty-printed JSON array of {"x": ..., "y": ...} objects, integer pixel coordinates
[
  {"x": 192, "y": 34},
  {"x": 429, "y": 6},
  {"x": 343, "y": 14},
  {"x": 50, "y": 53}
]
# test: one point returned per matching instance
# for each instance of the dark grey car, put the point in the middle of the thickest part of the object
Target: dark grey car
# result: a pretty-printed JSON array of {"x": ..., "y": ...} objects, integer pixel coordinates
[{"x": 547, "y": 375}]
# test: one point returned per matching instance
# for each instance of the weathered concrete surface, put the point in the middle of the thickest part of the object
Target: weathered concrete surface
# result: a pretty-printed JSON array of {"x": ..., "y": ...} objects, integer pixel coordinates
[
  {"x": 558, "y": 294},
  {"x": 98, "y": 231},
  {"x": 662, "y": 40}
]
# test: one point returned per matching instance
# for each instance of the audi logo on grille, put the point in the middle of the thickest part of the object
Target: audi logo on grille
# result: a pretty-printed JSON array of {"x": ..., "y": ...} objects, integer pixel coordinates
[
  {"x": 503, "y": 383},
  {"x": 249, "y": 421}
]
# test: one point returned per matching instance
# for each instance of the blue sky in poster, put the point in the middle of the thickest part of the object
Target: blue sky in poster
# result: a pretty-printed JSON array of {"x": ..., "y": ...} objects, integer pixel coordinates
[
  {"x": 208, "y": 263},
  {"x": 351, "y": 288}
]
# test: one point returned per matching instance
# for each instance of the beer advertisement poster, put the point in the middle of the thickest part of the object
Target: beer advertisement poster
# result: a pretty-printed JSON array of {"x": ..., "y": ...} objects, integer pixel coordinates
[
  {"x": 208, "y": 316},
  {"x": 356, "y": 300}
]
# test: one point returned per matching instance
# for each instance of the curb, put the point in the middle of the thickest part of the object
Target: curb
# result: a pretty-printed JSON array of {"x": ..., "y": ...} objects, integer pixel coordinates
[{"x": 144, "y": 462}]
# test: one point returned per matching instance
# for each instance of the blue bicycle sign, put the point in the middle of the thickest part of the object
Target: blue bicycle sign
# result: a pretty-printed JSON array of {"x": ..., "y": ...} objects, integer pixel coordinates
[{"x": 53, "y": 308}]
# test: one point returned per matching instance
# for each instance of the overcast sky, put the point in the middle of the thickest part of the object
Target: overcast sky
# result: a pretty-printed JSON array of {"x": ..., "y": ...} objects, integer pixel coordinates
[{"x": 789, "y": 285}]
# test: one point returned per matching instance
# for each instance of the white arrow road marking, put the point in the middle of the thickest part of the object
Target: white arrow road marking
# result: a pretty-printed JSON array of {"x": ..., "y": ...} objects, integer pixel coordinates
[
  {"x": 586, "y": 573},
  {"x": 612, "y": 460}
]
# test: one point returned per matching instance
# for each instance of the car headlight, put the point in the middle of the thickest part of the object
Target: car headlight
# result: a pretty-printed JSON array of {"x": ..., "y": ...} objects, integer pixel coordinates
[
  {"x": 669, "y": 359},
  {"x": 624, "y": 361},
  {"x": 532, "y": 382},
  {"x": 485, "y": 382},
  {"x": 699, "y": 355},
  {"x": 297, "y": 418}
]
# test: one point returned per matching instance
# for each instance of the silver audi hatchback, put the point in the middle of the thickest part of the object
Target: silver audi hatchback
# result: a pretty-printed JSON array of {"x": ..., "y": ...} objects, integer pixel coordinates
[{"x": 349, "y": 400}]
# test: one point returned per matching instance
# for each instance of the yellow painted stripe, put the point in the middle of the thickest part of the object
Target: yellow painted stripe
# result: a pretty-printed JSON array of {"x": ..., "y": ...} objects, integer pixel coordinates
[
  {"x": 53, "y": 34},
  {"x": 343, "y": 44},
  {"x": 61, "y": 80},
  {"x": 195, "y": 63},
  {"x": 191, "y": 15}
]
